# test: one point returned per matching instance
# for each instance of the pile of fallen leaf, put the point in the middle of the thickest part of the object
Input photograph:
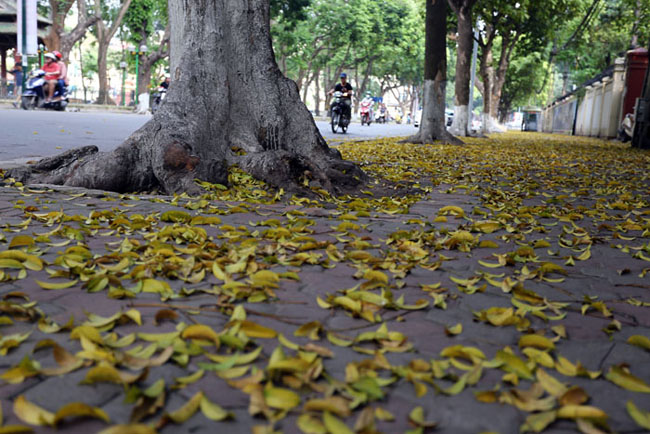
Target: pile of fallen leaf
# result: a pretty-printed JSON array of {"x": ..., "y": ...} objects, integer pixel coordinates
[{"x": 246, "y": 307}]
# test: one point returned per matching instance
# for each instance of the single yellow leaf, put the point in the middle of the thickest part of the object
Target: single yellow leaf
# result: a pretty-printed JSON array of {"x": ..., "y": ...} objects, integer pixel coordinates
[
  {"x": 62, "y": 285},
  {"x": 536, "y": 341},
  {"x": 640, "y": 341},
  {"x": 642, "y": 418},
  {"x": 624, "y": 379},
  {"x": 31, "y": 413},
  {"x": 78, "y": 409},
  {"x": 581, "y": 412},
  {"x": 335, "y": 425}
]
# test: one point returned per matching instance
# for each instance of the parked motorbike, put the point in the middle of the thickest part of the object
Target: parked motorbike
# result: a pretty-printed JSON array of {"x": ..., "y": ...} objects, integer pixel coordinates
[
  {"x": 366, "y": 113},
  {"x": 158, "y": 98},
  {"x": 340, "y": 118},
  {"x": 34, "y": 94}
]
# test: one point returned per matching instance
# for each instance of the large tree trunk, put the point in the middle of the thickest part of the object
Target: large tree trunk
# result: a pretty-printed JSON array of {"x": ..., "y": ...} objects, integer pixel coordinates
[
  {"x": 464, "y": 43},
  {"x": 228, "y": 104},
  {"x": 433, "y": 125}
]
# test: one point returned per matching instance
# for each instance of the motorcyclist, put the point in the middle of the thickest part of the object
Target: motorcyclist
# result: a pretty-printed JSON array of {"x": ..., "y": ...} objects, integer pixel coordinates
[
  {"x": 165, "y": 83},
  {"x": 346, "y": 89},
  {"x": 63, "y": 79},
  {"x": 368, "y": 99},
  {"x": 52, "y": 75}
]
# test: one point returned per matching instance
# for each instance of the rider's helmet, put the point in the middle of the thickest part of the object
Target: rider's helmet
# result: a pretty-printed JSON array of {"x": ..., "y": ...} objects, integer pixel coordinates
[
  {"x": 344, "y": 75},
  {"x": 58, "y": 55},
  {"x": 50, "y": 56}
]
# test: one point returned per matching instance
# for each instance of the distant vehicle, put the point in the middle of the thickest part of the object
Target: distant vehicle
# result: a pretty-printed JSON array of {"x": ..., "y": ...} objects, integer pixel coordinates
[
  {"x": 366, "y": 112},
  {"x": 449, "y": 118},
  {"x": 532, "y": 120}
]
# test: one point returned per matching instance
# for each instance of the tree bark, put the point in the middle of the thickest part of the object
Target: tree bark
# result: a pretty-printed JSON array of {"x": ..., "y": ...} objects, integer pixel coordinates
[
  {"x": 147, "y": 61},
  {"x": 57, "y": 38},
  {"x": 176, "y": 10},
  {"x": 104, "y": 36},
  {"x": 317, "y": 95},
  {"x": 433, "y": 125},
  {"x": 228, "y": 105},
  {"x": 641, "y": 138},
  {"x": 464, "y": 44}
]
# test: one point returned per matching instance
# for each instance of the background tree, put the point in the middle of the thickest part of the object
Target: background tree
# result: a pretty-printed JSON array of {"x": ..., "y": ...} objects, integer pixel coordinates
[
  {"x": 105, "y": 29},
  {"x": 464, "y": 48},
  {"x": 506, "y": 25},
  {"x": 228, "y": 104},
  {"x": 433, "y": 125},
  {"x": 58, "y": 38},
  {"x": 147, "y": 24}
]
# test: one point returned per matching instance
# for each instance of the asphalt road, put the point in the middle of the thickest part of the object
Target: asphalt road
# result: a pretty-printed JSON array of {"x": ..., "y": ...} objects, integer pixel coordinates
[{"x": 34, "y": 134}]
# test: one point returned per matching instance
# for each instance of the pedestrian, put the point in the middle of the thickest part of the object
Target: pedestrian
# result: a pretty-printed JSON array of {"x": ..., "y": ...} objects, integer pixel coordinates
[{"x": 17, "y": 72}]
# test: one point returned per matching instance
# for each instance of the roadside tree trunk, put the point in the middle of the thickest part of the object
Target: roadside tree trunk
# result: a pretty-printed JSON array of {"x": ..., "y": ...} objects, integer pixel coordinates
[
  {"x": 641, "y": 137},
  {"x": 228, "y": 104},
  {"x": 104, "y": 36},
  {"x": 57, "y": 38},
  {"x": 432, "y": 126},
  {"x": 464, "y": 43},
  {"x": 148, "y": 60}
]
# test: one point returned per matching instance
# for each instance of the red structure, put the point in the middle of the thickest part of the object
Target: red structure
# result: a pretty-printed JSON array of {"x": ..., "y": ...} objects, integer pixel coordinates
[{"x": 637, "y": 64}]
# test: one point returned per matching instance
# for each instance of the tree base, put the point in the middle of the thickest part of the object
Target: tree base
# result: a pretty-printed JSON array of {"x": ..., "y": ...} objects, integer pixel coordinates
[{"x": 152, "y": 160}]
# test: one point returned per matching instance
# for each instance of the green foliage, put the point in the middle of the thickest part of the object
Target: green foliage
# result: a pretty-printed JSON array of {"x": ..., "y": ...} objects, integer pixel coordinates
[
  {"x": 381, "y": 41},
  {"x": 143, "y": 18}
]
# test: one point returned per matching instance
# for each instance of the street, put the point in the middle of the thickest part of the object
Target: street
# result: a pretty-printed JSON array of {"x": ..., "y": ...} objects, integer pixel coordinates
[{"x": 35, "y": 134}]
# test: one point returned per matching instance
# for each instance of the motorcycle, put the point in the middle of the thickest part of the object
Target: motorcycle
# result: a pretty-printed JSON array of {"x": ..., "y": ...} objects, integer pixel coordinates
[
  {"x": 34, "y": 94},
  {"x": 158, "y": 98},
  {"x": 366, "y": 116},
  {"x": 340, "y": 118},
  {"x": 381, "y": 116}
]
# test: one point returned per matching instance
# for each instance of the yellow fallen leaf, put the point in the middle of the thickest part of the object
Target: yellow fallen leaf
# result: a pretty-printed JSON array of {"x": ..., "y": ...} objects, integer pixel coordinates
[
  {"x": 640, "y": 341},
  {"x": 31, "y": 413},
  {"x": 642, "y": 418},
  {"x": 62, "y": 285},
  {"x": 581, "y": 412},
  {"x": 624, "y": 379}
]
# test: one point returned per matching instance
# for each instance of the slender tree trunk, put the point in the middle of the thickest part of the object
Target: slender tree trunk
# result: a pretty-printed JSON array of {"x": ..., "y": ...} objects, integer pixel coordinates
[
  {"x": 104, "y": 36},
  {"x": 486, "y": 71},
  {"x": 433, "y": 125},
  {"x": 317, "y": 95},
  {"x": 464, "y": 43},
  {"x": 641, "y": 137},
  {"x": 634, "y": 39},
  {"x": 102, "y": 72},
  {"x": 229, "y": 105},
  {"x": 83, "y": 79}
]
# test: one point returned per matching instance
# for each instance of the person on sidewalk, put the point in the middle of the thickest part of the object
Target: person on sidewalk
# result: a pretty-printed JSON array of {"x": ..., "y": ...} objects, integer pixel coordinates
[
  {"x": 52, "y": 75},
  {"x": 17, "y": 72}
]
